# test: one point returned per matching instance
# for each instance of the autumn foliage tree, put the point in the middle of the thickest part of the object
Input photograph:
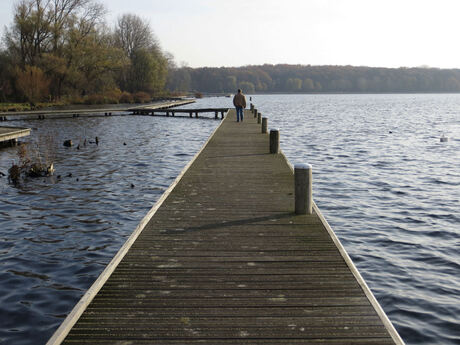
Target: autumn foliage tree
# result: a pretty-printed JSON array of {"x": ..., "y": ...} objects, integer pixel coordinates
[
  {"x": 64, "y": 48},
  {"x": 147, "y": 66},
  {"x": 32, "y": 83}
]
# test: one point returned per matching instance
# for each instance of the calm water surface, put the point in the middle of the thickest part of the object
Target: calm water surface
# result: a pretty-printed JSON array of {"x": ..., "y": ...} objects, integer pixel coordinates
[{"x": 386, "y": 184}]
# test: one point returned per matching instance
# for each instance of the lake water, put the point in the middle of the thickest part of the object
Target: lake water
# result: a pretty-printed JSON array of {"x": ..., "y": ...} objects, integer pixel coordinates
[{"x": 386, "y": 184}]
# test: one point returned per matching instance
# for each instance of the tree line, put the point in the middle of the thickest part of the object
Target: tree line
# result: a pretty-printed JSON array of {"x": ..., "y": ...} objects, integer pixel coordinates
[
  {"x": 58, "y": 50},
  {"x": 285, "y": 78},
  {"x": 64, "y": 51}
]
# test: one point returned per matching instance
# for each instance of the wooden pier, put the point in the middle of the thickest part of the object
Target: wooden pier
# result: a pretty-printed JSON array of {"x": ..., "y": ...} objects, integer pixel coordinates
[
  {"x": 89, "y": 111},
  {"x": 10, "y": 135},
  {"x": 173, "y": 112},
  {"x": 223, "y": 259}
]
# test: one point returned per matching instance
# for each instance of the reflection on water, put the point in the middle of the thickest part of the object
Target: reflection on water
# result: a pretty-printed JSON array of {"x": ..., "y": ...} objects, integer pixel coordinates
[
  {"x": 58, "y": 233},
  {"x": 383, "y": 179}
]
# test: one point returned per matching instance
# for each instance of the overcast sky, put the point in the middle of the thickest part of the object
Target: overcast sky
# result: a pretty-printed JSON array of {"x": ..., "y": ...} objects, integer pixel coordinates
[{"x": 387, "y": 33}]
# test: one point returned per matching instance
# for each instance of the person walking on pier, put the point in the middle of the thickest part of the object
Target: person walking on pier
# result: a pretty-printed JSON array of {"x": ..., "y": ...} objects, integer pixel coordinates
[{"x": 239, "y": 101}]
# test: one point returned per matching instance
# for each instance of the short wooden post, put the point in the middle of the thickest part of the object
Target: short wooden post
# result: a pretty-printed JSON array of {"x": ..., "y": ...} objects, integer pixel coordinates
[
  {"x": 191, "y": 114},
  {"x": 303, "y": 189},
  {"x": 196, "y": 114},
  {"x": 255, "y": 112},
  {"x": 264, "y": 125},
  {"x": 216, "y": 114},
  {"x": 274, "y": 140},
  {"x": 259, "y": 118},
  {"x": 222, "y": 115}
]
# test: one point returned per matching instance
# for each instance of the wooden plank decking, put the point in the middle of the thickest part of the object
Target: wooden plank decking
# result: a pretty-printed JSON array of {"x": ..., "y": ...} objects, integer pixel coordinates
[
  {"x": 224, "y": 260},
  {"x": 13, "y": 133}
]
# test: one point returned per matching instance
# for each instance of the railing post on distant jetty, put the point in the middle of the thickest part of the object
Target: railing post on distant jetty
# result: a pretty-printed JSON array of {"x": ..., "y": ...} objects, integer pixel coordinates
[
  {"x": 274, "y": 140},
  {"x": 259, "y": 118},
  {"x": 264, "y": 124},
  {"x": 303, "y": 189}
]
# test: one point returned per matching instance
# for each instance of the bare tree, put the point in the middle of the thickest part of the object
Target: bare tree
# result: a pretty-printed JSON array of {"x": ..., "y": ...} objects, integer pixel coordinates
[
  {"x": 133, "y": 33},
  {"x": 30, "y": 33},
  {"x": 60, "y": 12},
  {"x": 42, "y": 26}
]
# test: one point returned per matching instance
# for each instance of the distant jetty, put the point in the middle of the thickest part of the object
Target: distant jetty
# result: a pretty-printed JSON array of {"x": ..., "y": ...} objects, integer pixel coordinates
[{"x": 89, "y": 111}]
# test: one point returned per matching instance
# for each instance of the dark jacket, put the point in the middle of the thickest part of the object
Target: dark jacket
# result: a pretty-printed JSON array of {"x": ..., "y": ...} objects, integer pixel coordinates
[{"x": 239, "y": 100}]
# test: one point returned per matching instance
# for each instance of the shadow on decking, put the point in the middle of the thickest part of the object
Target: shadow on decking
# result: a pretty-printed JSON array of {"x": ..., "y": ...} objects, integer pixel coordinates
[
  {"x": 230, "y": 223},
  {"x": 240, "y": 155}
]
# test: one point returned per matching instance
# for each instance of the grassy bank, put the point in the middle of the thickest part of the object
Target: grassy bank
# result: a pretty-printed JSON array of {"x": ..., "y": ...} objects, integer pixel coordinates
[{"x": 12, "y": 107}]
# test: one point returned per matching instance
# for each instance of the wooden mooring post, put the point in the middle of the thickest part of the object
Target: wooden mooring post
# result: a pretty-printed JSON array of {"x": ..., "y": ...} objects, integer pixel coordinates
[
  {"x": 264, "y": 124},
  {"x": 274, "y": 141},
  {"x": 303, "y": 189}
]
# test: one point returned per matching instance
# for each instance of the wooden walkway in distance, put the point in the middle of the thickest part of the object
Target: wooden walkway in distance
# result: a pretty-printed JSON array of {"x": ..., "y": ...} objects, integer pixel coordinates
[
  {"x": 174, "y": 111},
  {"x": 224, "y": 260},
  {"x": 88, "y": 111}
]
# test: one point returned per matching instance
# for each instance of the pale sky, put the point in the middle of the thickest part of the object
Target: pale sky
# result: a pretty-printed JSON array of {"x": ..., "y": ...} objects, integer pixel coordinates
[{"x": 386, "y": 33}]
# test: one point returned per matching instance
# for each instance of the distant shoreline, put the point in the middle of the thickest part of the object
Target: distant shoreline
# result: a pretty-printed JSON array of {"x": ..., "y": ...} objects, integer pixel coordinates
[{"x": 333, "y": 93}]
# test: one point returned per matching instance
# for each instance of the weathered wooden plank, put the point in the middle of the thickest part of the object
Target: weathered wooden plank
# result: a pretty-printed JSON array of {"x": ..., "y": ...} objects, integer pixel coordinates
[
  {"x": 251, "y": 281},
  {"x": 235, "y": 322},
  {"x": 272, "y": 311},
  {"x": 269, "y": 294},
  {"x": 219, "y": 302},
  {"x": 188, "y": 341},
  {"x": 189, "y": 332}
]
